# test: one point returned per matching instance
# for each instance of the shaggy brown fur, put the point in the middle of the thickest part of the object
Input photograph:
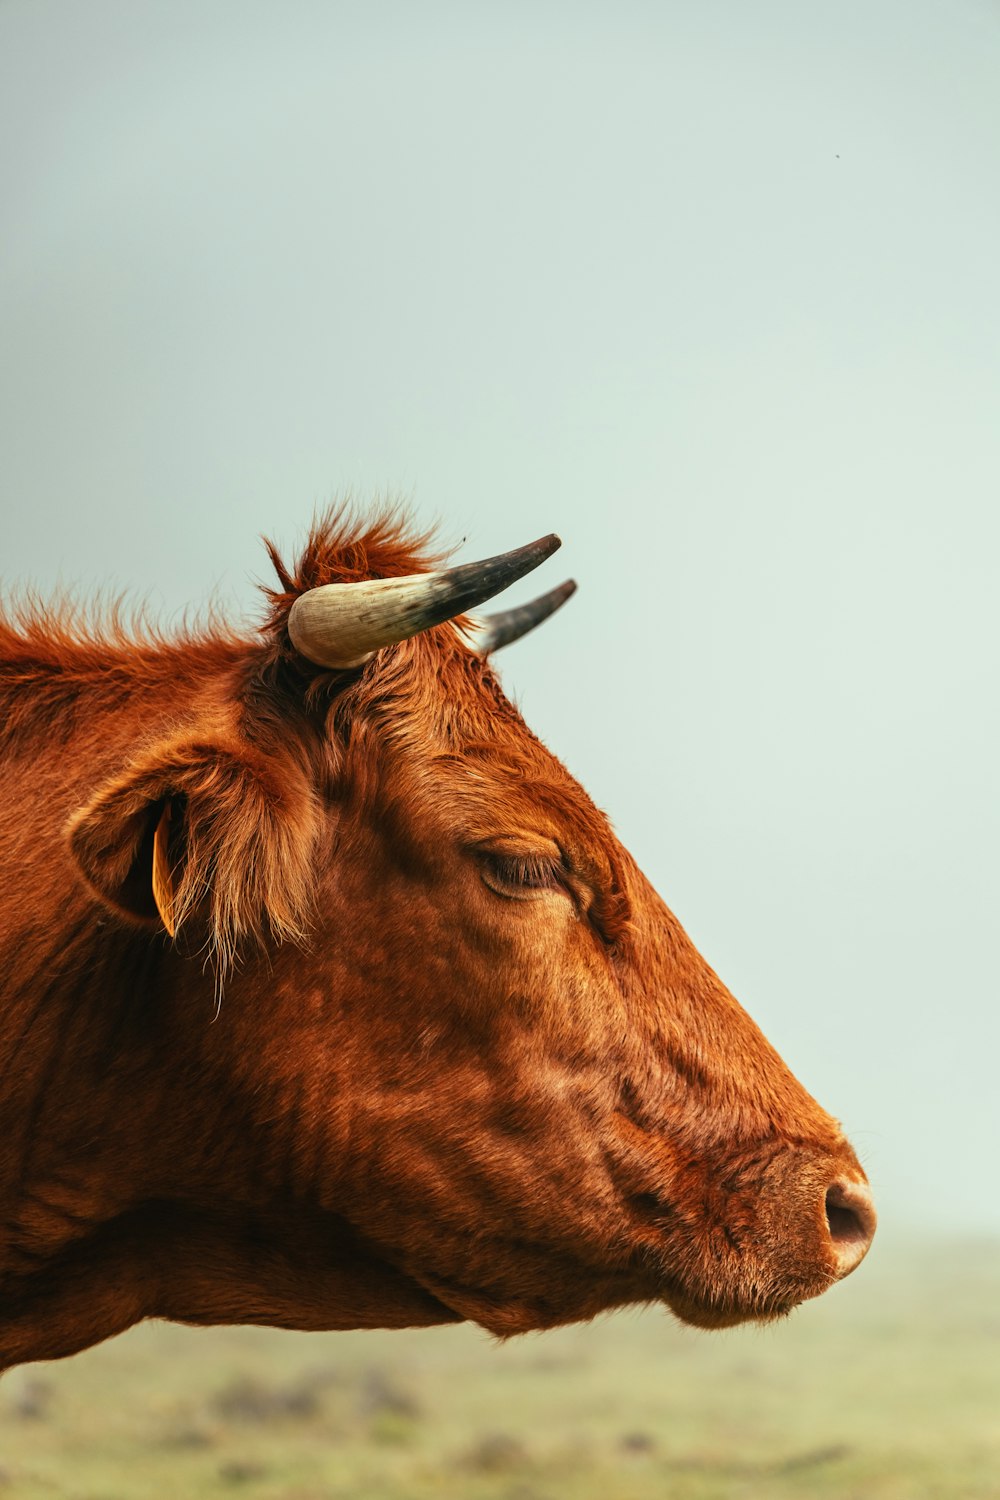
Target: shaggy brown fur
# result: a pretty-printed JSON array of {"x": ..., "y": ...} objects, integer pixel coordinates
[{"x": 426, "y": 1044}]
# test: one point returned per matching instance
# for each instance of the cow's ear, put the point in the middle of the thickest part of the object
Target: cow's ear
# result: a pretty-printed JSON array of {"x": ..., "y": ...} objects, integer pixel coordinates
[{"x": 204, "y": 827}]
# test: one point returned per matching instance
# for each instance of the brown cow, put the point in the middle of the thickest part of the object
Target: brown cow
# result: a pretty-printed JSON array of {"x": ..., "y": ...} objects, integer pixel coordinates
[{"x": 329, "y": 1000}]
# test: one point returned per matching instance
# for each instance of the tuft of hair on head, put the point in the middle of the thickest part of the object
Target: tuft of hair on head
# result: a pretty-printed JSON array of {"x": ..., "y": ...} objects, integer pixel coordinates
[{"x": 344, "y": 546}]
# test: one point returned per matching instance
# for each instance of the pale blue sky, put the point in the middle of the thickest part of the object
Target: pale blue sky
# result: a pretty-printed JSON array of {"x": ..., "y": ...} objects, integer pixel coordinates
[{"x": 711, "y": 290}]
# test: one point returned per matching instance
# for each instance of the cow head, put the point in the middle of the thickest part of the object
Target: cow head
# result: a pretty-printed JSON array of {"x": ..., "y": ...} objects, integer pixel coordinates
[{"x": 459, "y": 1043}]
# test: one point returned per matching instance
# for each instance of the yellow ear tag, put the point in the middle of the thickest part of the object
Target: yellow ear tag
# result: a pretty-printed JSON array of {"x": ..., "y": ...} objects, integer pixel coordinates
[{"x": 163, "y": 885}]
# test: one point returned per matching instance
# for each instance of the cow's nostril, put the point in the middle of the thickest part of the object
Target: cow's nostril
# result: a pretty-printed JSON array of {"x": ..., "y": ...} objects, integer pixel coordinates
[
  {"x": 850, "y": 1219},
  {"x": 843, "y": 1223}
]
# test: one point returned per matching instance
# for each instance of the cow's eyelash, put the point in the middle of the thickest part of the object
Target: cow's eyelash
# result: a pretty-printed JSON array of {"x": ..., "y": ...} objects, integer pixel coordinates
[{"x": 533, "y": 872}]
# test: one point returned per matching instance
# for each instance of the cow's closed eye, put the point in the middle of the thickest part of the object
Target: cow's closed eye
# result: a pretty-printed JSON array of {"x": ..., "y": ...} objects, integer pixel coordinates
[{"x": 521, "y": 876}]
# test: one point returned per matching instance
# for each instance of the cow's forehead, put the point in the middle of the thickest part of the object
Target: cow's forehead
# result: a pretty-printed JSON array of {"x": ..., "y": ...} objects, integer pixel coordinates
[{"x": 488, "y": 773}]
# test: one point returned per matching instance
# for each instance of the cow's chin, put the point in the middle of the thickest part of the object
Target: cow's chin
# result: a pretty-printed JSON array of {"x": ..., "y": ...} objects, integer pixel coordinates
[
  {"x": 721, "y": 1309},
  {"x": 713, "y": 1316}
]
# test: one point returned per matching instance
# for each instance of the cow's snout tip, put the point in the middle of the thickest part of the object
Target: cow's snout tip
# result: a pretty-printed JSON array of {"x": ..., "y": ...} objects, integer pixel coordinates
[{"x": 850, "y": 1222}]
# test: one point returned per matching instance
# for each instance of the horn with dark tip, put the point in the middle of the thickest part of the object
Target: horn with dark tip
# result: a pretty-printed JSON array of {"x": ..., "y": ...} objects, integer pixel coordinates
[
  {"x": 343, "y": 624},
  {"x": 509, "y": 625}
]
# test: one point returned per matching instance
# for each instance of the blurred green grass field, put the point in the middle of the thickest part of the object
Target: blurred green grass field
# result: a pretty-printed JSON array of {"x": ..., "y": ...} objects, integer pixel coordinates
[{"x": 888, "y": 1387}]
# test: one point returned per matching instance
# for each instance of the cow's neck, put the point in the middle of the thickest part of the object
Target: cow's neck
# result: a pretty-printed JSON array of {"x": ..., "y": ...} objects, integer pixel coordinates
[{"x": 78, "y": 1012}]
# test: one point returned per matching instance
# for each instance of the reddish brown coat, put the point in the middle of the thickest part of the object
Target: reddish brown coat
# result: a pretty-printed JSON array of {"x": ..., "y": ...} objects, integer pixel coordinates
[{"x": 426, "y": 1046}]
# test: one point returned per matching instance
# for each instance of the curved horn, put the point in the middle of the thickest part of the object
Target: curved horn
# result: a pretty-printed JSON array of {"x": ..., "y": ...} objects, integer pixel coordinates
[
  {"x": 509, "y": 625},
  {"x": 343, "y": 624}
]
